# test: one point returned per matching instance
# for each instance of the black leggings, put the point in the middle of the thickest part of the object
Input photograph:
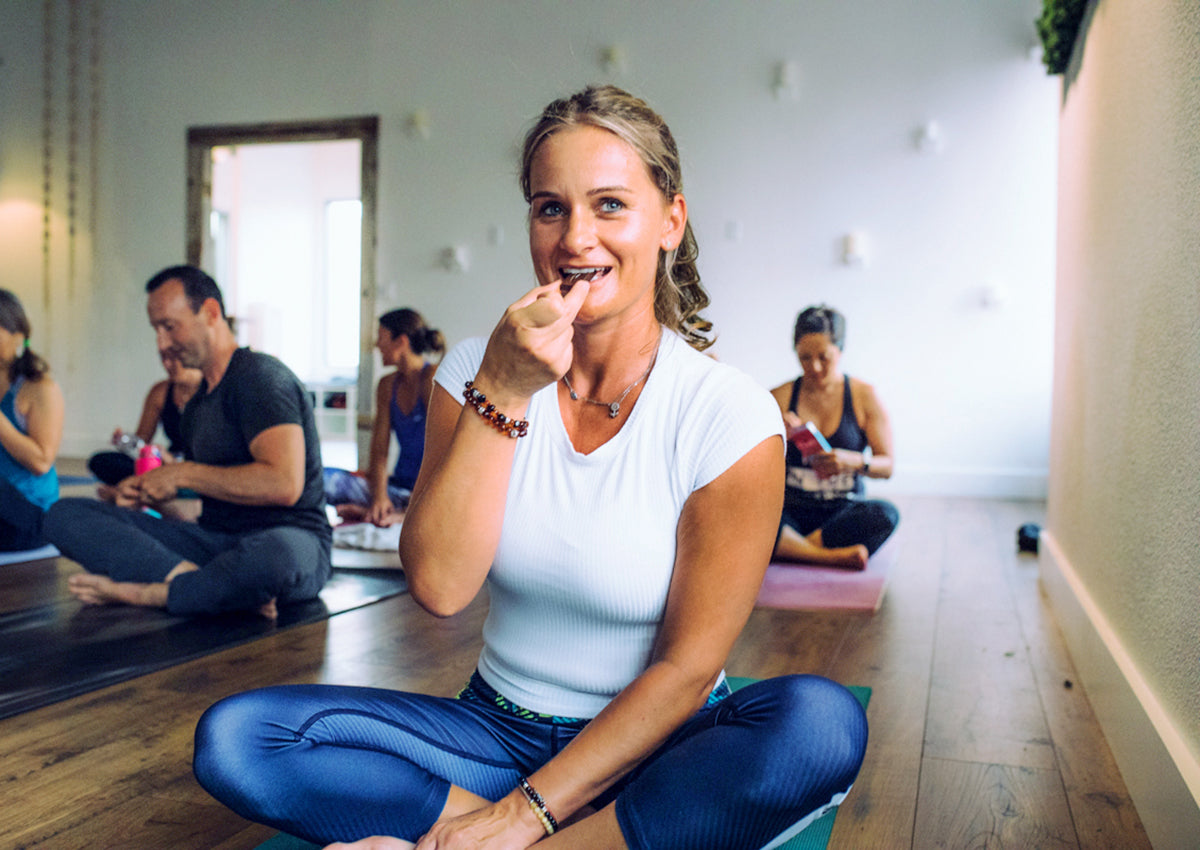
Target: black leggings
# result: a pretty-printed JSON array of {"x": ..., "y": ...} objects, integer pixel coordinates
[
  {"x": 237, "y": 571},
  {"x": 20, "y": 520},
  {"x": 843, "y": 522},
  {"x": 111, "y": 467}
]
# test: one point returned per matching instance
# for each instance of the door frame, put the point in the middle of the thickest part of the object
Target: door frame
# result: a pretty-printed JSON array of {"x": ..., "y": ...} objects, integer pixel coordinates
[{"x": 365, "y": 128}]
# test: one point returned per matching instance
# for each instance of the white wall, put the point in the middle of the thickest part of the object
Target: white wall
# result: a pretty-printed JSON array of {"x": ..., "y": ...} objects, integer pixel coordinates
[
  {"x": 772, "y": 184},
  {"x": 1124, "y": 509}
]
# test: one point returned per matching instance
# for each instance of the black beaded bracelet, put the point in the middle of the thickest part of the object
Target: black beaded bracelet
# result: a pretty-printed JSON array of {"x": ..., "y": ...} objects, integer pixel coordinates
[{"x": 513, "y": 427}]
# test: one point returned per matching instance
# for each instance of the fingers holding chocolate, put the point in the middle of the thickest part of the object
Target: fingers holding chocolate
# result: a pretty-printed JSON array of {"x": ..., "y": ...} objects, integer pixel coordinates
[{"x": 531, "y": 346}]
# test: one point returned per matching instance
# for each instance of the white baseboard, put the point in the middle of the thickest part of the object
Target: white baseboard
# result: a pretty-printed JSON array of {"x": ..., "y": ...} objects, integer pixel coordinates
[
  {"x": 1161, "y": 773},
  {"x": 982, "y": 482}
]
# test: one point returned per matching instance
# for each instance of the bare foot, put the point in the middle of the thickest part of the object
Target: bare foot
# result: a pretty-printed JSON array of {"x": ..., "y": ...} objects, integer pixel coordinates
[
  {"x": 351, "y": 512},
  {"x": 810, "y": 550},
  {"x": 93, "y": 589},
  {"x": 270, "y": 610},
  {"x": 848, "y": 557},
  {"x": 179, "y": 569}
]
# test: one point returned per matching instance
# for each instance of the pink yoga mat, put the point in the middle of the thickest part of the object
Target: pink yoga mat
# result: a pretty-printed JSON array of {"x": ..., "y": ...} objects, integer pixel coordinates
[{"x": 803, "y": 586}]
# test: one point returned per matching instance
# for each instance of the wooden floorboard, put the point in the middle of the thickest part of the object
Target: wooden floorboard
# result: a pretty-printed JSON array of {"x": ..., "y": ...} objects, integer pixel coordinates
[
  {"x": 1104, "y": 815},
  {"x": 976, "y": 740},
  {"x": 973, "y": 806},
  {"x": 984, "y": 701},
  {"x": 890, "y": 652}
]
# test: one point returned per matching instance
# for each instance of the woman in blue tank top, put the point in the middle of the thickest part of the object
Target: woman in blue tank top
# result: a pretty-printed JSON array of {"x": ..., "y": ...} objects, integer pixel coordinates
[
  {"x": 401, "y": 398},
  {"x": 826, "y": 518},
  {"x": 31, "y": 424}
]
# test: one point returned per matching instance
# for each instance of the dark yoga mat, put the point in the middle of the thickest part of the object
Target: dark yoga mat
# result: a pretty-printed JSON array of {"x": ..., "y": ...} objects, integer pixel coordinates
[
  {"x": 815, "y": 836},
  {"x": 63, "y": 649}
]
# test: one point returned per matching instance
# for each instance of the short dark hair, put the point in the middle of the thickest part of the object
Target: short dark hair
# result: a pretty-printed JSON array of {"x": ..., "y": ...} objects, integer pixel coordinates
[
  {"x": 821, "y": 319},
  {"x": 197, "y": 285}
]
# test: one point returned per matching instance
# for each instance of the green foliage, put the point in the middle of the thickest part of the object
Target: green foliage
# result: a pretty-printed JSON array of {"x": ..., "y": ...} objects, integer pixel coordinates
[{"x": 1058, "y": 27}]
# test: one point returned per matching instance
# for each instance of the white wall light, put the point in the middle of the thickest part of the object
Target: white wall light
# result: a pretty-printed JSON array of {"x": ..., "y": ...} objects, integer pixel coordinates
[
  {"x": 785, "y": 80},
  {"x": 454, "y": 258},
  {"x": 417, "y": 124},
  {"x": 930, "y": 138},
  {"x": 993, "y": 295},
  {"x": 614, "y": 60},
  {"x": 854, "y": 249}
]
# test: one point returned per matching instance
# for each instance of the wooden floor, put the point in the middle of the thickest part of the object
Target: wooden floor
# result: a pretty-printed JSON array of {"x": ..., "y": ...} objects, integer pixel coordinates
[{"x": 980, "y": 736}]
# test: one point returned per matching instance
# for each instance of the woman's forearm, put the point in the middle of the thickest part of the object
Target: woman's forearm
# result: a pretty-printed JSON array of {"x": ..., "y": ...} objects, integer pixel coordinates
[
  {"x": 630, "y": 729},
  {"x": 877, "y": 466},
  {"x": 453, "y": 522}
]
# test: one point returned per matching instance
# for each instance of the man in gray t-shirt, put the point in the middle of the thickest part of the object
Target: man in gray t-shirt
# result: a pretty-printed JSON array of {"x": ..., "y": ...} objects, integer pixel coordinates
[{"x": 262, "y": 538}]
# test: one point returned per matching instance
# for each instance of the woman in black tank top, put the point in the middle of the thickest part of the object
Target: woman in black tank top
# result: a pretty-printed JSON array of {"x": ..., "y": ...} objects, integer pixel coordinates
[
  {"x": 826, "y": 518},
  {"x": 163, "y": 407}
]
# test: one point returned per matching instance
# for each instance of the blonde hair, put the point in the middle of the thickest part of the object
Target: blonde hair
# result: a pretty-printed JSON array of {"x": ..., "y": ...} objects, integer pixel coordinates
[{"x": 678, "y": 294}]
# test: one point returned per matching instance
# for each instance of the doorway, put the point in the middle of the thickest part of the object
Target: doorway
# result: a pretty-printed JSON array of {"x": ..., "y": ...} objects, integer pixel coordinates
[{"x": 282, "y": 215}]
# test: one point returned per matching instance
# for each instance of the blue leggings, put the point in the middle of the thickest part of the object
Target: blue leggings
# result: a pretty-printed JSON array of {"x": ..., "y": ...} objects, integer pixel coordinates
[
  {"x": 345, "y": 487},
  {"x": 331, "y": 763}
]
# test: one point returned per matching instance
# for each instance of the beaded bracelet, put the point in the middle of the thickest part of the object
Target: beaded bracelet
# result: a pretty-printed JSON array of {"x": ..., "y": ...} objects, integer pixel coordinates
[
  {"x": 538, "y": 805},
  {"x": 513, "y": 427}
]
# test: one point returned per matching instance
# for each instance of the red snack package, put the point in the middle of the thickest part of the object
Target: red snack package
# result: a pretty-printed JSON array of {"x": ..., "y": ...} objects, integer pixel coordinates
[{"x": 809, "y": 440}]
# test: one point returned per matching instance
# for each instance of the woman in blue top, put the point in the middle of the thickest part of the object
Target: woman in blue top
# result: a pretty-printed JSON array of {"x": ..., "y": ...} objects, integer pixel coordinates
[
  {"x": 31, "y": 424},
  {"x": 401, "y": 400}
]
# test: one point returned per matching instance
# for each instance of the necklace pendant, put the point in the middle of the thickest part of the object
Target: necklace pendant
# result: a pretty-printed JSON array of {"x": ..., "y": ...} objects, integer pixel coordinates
[
  {"x": 614, "y": 409},
  {"x": 574, "y": 395}
]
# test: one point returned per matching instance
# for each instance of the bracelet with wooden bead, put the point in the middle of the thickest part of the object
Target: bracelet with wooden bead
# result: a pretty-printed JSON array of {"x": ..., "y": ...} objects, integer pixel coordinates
[
  {"x": 538, "y": 805},
  {"x": 513, "y": 427}
]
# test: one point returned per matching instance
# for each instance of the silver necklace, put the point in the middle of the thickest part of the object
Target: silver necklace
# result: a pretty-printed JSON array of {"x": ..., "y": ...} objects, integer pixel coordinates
[{"x": 614, "y": 407}]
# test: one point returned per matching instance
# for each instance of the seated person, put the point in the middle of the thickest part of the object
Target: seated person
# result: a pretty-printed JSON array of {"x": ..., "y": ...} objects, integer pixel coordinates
[
  {"x": 31, "y": 426},
  {"x": 163, "y": 406},
  {"x": 262, "y": 538},
  {"x": 826, "y": 520},
  {"x": 401, "y": 401},
  {"x": 604, "y": 478}
]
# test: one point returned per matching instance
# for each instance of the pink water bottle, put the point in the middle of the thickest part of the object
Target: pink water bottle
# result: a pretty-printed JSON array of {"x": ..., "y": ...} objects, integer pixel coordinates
[{"x": 148, "y": 458}]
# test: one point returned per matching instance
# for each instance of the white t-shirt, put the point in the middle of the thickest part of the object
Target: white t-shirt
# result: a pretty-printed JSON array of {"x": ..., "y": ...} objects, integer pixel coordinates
[{"x": 579, "y": 583}]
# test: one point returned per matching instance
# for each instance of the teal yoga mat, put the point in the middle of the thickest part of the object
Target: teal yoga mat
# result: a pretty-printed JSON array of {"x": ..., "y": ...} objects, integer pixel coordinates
[{"x": 814, "y": 837}]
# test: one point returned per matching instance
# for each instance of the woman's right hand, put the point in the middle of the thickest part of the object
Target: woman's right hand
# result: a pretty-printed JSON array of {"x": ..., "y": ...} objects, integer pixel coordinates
[
  {"x": 382, "y": 513},
  {"x": 128, "y": 492},
  {"x": 530, "y": 348}
]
